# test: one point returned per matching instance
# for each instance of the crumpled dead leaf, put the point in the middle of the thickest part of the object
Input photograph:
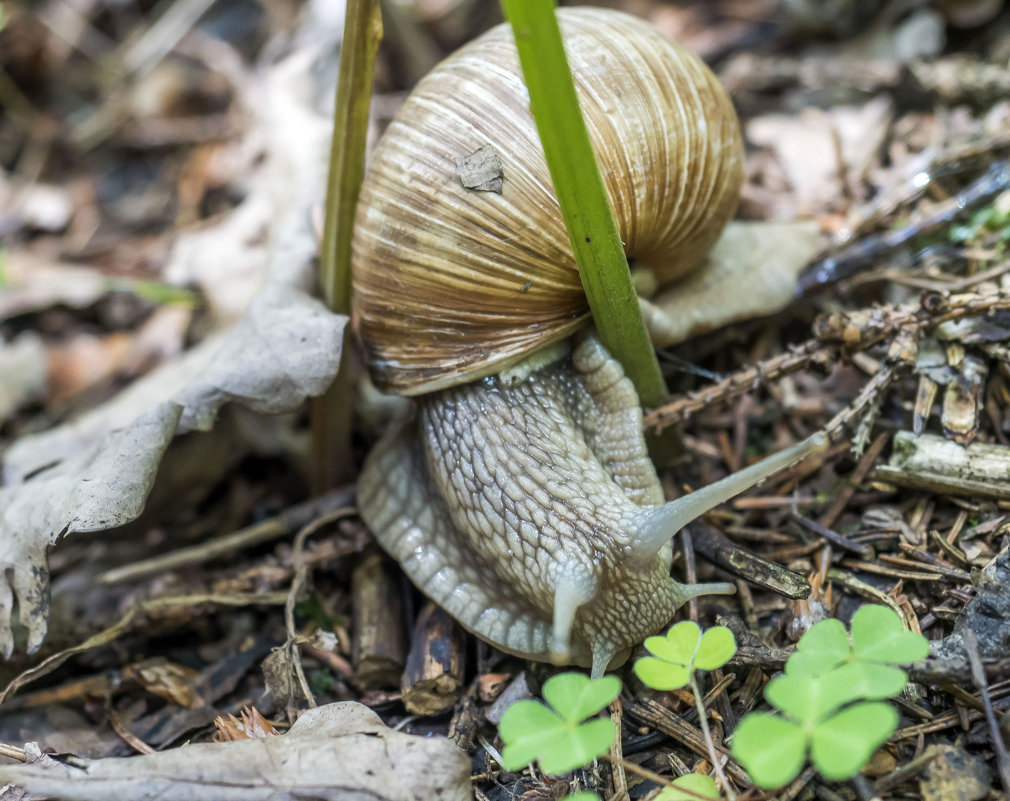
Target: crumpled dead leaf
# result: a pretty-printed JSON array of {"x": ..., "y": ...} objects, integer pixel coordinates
[
  {"x": 97, "y": 488},
  {"x": 96, "y": 476},
  {"x": 336, "y": 752},
  {"x": 95, "y": 472},
  {"x": 33, "y": 756}
]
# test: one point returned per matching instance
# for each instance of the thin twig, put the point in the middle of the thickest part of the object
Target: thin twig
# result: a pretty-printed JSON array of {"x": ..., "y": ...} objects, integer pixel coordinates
[
  {"x": 13, "y": 752},
  {"x": 638, "y": 770},
  {"x": 331, "y": 411},
  {"x": 850, "y": 331},
  {"x": 119, "y": 727},
  {"x": 617, "y": 760},
  {"x": 301, "y": 573},
  {"x": 978, "y": 678},
  {"x": 124, "y": 624},
  {"x": 739, "y": 383},
  {"x": 256, "y": 534}
]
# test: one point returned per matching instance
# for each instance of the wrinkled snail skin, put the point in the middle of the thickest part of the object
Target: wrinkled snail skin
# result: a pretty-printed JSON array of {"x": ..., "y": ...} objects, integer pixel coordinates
[
  {"x": 527, "y": 507},
  {"x": 516, "y": 508}
]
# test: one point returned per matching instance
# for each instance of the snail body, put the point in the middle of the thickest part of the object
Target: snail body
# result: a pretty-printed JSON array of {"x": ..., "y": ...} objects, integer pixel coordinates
[
  {"x": 531, "y": 512},
  {"x": 524, "y": 502}
]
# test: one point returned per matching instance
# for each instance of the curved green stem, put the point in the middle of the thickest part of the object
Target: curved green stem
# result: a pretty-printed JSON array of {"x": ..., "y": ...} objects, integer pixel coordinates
[{"x": 712, "y": 754}]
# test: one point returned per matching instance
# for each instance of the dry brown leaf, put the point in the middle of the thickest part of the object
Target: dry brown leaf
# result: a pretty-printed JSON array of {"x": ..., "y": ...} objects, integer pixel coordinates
[
  {"x": 169, "y": 680},
  {"x": 818, "y": 149},
  {"x": 249, "y": 724}
]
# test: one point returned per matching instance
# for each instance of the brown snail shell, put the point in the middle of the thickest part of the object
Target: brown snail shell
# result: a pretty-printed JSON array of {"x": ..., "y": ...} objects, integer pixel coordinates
[{"x": 454, "y": 283}]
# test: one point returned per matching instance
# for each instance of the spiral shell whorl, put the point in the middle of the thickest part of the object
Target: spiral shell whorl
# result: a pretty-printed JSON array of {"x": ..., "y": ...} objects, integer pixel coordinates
[{"x": 450, "y": 283}]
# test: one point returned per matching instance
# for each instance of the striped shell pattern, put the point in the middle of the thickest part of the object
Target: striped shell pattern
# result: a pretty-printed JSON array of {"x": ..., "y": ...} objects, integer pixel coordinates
[{"x": 453, "y": 282}]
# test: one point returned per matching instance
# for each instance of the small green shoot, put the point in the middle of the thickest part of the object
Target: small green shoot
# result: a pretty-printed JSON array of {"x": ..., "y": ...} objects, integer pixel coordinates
[
  {"x": 696, "y": 785},
  {"x": 582, "y": 196},
  {"x": 993, "y": 218},
  {"x": 674, "y": 659},
  {"x": 684, "y": 649},
  {"x": 556, "y": 735},
  {"x": 830, "y": 696}
]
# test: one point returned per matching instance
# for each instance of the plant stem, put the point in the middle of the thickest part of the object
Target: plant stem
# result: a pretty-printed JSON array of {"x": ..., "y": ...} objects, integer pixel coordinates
[
  {"x": 703, "y": 722},
  {"x": 331, "y": 412},
  {"x": 595, "y": 240},
  {"x": 362, "y": 34}
]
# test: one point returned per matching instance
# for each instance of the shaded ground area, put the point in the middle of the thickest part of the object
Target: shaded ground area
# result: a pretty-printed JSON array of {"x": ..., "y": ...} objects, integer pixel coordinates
[{"x": 160, "y": 163}]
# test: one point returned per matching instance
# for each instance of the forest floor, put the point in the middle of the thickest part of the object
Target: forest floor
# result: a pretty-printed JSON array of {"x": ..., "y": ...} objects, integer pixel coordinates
[{"x": 163, "y": 163}]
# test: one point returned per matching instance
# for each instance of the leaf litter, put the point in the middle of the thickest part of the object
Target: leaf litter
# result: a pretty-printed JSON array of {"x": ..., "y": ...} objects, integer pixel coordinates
[{"x": 193, "y": 194}]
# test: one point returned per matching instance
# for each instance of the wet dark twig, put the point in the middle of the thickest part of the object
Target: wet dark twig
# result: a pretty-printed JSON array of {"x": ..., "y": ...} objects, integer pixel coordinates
[
  {"x": 979, "y": 680},
  {"x": 865, "y": 252}
]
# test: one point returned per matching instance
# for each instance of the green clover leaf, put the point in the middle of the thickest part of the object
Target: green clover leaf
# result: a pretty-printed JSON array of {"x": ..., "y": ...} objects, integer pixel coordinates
[
  {"x": 585, "y": 795},
  {"x": 716, "y": 648},
  {"x": 879, "y": 635},
  {"x": 825, "y": 675},
  {"x": 680, "y": 651},
  {"x": 770, "y": 748},
  {"x": 680, "y": 643},
  {"x": 842, "y": 744},
  {"x": 823, "y": 647},
  {"x": 527, "y": 728},
  {"x": 557, "y": 736},
  {"x": 807, "y": 699},
  {"x": 576, "y": 696},
  {"x": 696, "y": 784},
  {"x": 773, "y": 749},
  {"x": 865, "y": 681},
  {"x": 810, "y": 699}
]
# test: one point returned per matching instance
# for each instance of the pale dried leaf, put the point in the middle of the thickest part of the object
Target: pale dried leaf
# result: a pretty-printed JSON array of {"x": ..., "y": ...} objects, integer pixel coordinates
[
  {"x": 85, "y": 361},
  {"x": 336, "y": 752},
  {"x": 33, "y": 282},
  {"x": 23, "y": 371},
  {"x": 286, "y": 347},
  {"x": 819, "y": 149},
  {"x": 98, "y": 487}
]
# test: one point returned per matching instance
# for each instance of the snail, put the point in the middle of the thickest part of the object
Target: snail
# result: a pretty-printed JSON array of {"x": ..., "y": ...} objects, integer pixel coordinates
[{"x": 520, "y": 495}]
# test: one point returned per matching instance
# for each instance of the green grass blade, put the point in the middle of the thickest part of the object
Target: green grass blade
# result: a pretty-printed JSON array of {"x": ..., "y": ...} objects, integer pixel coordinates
[
  {"x": 331, "y": 412},
  {"x": 362, "y": 34},
  {"x": 581, "y": 194}
]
